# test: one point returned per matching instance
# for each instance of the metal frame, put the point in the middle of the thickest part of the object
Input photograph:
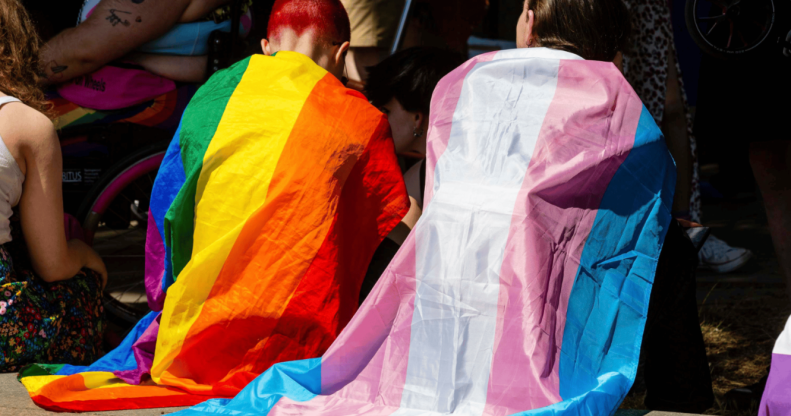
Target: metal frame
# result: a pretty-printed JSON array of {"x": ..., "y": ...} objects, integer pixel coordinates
[{"x": 399, "y": 37}]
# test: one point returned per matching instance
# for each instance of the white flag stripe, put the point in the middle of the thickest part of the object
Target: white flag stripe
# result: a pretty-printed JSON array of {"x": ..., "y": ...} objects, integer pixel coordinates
[{"x": 477, "y": 180}]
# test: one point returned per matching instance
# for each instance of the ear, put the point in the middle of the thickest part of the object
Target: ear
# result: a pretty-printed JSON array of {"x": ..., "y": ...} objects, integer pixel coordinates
[
  {"x": 531, "y": 18},
  {"x": 419, "y": 119},
  {"x": 340, "y": 54},
  {"x": 266, "y": 47}
]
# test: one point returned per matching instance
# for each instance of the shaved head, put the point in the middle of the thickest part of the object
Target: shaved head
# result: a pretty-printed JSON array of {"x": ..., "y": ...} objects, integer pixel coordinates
[{"x": 327, "y": 19}]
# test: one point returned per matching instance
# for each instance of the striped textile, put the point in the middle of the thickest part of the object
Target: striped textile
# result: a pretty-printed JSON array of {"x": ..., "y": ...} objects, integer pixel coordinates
[
  {"x": 272, "y": 197},
  {"x": 162, "y": 112},
  {"x": 776, "y": 399},
  {"x": 524, "y": 287}
]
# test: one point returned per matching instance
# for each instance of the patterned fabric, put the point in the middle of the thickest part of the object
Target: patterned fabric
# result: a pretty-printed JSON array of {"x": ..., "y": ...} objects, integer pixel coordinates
[
  {"x": 43, "y": 322},
  {"x": 223, "y": 13},
  {"x": 162, "y": 112},
  {"x": 646, "y": 65}
]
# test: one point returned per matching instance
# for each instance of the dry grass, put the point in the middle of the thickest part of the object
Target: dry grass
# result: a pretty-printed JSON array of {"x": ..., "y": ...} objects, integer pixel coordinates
[
  {"x": 739, "y": 339},
  {"x": 739, "y": 333}
]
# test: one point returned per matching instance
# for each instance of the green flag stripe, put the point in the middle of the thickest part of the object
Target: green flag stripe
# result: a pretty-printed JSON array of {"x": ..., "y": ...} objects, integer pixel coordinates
[{"x": 198, "y": 126}]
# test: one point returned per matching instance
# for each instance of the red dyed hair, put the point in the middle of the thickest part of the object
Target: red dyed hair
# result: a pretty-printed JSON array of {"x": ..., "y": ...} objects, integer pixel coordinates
[{"x": 327, "y": 17}]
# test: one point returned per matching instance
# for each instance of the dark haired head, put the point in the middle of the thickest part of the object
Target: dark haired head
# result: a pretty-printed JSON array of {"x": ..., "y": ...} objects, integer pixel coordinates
[
  {"x": 592, "y": 29},
  {"x": 327, "y": 17},
  {"x": 410, "y": 76}
]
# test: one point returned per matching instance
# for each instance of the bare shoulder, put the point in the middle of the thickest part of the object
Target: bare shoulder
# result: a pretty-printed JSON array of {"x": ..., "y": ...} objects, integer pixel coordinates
[{"x": 23, "y": 128}]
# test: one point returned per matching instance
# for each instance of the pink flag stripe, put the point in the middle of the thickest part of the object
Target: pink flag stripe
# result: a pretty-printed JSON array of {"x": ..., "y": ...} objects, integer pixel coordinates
[
  {"x": 155, "y": 269},
  {"x": 443, "y": 105},
  {"x": 543, "y": 255},
  {"x": 368, "y": 361}
]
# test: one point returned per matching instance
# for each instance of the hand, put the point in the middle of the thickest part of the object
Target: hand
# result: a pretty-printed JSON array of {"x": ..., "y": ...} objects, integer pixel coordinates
[{"x": 90, "y": 259}]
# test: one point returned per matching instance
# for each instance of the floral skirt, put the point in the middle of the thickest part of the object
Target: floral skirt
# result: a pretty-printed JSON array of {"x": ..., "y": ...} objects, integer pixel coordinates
[{"x": 40, "y": 322}]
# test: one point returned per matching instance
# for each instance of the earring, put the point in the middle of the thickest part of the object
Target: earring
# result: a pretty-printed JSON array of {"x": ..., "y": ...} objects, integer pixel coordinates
[{"x": 417, "y": 133}]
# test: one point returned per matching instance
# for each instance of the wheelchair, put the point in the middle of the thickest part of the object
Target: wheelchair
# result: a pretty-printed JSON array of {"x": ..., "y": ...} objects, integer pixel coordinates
[
  {"x": 108, "y": 175},
  {"x": 110, "y": 161}
]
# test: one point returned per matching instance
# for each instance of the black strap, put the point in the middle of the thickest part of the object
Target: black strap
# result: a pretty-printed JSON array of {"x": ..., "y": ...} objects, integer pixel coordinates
[{"x": 422, "y": 179}]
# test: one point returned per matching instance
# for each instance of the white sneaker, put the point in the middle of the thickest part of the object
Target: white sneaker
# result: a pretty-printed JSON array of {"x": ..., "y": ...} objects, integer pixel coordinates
[{"x": 717, "y": 255}]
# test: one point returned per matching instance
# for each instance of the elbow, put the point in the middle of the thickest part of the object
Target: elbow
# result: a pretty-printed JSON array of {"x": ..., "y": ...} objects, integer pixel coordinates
[{"x": 51, "y": 272}]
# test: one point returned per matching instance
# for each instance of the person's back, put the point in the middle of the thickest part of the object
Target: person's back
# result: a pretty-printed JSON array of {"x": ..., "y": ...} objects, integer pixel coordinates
[
  {"x": 50, "y": 288},
  {"x": 273, "y": 151},
  {"x": 270, "y": 157},
  {"x": 524, "y": 286}
]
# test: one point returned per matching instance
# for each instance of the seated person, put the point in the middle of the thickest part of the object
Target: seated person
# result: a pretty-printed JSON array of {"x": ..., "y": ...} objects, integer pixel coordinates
[
  {"x": 50, "y": 288},
  {"x": 126, "y": 52},
  {"x": 401, "y": 87},
  {"x": 268, "y": 206},
  {"x": 525, "y": 285}
]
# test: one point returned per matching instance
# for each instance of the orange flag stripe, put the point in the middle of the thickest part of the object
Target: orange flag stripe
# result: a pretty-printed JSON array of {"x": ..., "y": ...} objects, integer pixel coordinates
[{"x": 276, "y": 247}]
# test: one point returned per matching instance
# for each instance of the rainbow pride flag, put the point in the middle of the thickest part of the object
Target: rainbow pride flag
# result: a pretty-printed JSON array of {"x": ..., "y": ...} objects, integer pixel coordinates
[
  {"x": 163, "y": 112},
  {"x": 524, "y": 287},
  {"x": 276, "y": 190}
]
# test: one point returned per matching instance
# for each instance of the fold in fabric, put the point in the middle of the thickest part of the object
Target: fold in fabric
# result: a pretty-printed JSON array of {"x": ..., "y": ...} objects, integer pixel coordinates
[{"x": 271, "y": 199}]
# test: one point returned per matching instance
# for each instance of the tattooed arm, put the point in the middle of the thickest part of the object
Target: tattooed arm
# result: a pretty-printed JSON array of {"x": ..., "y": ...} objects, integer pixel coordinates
[{"x": 115, "y": 28}]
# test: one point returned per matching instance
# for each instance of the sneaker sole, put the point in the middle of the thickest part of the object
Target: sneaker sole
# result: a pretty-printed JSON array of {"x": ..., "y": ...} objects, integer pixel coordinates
[{"x": 730, "y": 266}]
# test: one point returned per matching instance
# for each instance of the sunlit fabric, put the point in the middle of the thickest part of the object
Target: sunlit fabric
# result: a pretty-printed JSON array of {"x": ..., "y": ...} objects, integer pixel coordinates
[
  {"x": 776, "y": 399},
  {"x": 272, "y": 197},
  {"x": 524, "y": 287}
]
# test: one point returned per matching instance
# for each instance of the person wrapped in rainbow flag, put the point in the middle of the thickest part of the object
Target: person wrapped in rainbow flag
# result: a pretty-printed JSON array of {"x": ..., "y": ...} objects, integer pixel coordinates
[{"x": 274, "y": 193}]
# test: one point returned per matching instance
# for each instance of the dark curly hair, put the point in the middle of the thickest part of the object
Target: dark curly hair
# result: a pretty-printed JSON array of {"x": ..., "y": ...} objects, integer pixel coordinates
[{"x": 19, "y": 48}]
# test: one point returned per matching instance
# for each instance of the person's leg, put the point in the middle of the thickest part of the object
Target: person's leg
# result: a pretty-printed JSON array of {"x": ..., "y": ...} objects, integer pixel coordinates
[
  {"x": 674, "y": 127},
  {"x": 771, "y": 163},
  {"x": 677, "y": 376}
]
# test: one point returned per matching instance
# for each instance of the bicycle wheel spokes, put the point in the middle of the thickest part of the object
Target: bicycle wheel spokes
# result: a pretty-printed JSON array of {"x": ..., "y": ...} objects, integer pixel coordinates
[
  {"x": 124, "y": 250},
  {"x": 734, "y": 26}
]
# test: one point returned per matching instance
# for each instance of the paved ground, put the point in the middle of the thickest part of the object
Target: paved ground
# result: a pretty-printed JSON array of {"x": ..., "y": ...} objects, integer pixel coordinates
[{"x": 14, "y": 401}]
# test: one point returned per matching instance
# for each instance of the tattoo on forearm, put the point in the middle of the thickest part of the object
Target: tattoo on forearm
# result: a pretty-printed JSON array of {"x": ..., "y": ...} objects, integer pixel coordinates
[
  {"x": 56, "y": 69},
  {"x": 114, "y": 19},
  {"x": 137, "y": 1}
]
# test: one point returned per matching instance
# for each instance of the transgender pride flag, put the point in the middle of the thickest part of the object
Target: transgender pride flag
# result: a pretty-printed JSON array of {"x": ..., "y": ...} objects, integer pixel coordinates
[{"x": 524, "y": 286}]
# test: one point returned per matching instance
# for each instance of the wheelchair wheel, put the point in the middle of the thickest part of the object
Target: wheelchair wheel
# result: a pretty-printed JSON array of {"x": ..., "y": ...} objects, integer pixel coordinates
[
  {"x": 730, "y": 28},
  {"x": 114, "y": 218}
]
